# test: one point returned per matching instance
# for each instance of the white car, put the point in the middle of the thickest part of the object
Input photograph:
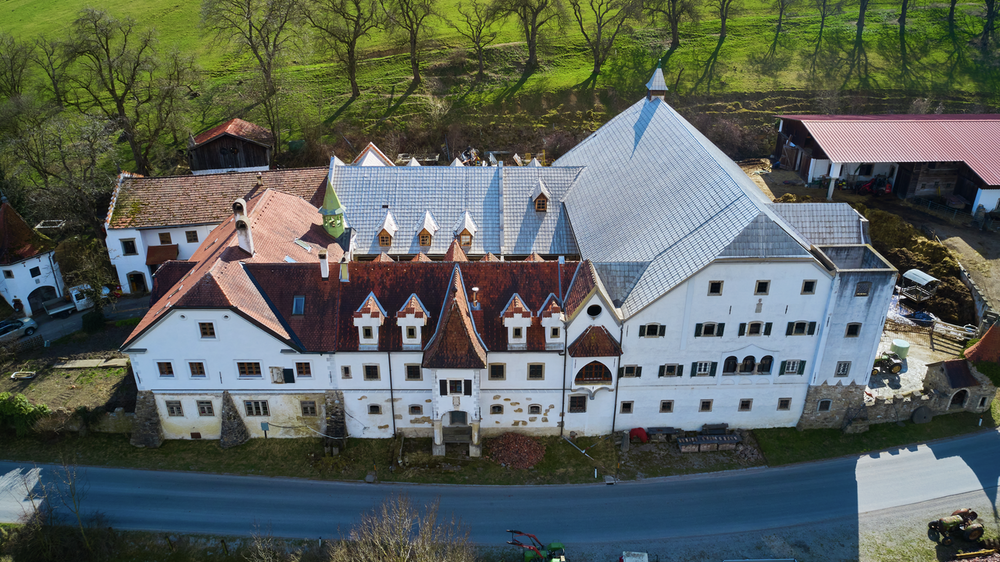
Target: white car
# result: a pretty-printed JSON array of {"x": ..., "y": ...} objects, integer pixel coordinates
[{"x": 12, "y": 330}]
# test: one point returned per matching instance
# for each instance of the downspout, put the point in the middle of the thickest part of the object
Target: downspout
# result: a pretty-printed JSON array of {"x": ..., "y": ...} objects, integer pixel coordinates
[
  {"x": 618, "y": 378},
  {"x": 392, "y": 397},
  {"x": 565, "y": 354}
]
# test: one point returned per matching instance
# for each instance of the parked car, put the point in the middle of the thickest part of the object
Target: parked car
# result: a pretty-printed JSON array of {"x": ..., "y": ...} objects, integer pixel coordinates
[{"x": 13, "y": 330}]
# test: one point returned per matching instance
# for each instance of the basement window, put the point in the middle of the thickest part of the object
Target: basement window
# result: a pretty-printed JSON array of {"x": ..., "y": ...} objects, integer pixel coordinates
[
  {"x": 536, "y": 409},
  {"x": 577, "y": 404},
  {"x": 626, "y": 407},
  {"x": 308, "y": 407},
  {"x": 666, "y": 406},
  {"x": 706, "y": 406},
  {"x": 374, "y": 409},
  {"x": 205, "y": 408},
  {"x": 824, "y": 406},
  {"x": 746, "y": 404},
  {"x": 416, "y": 410},
  {"x": 784, "y": 404},
  {"x": 496, "y": 409},
  {"x": 256, "y": 407},
  {"x": 174, "y": 408}
]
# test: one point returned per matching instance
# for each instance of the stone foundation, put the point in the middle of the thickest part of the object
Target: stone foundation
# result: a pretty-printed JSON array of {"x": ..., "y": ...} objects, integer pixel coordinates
[
  {"x": 234, "y": 431},
  {"x": 147, "y": 431},
  {"x": 842, "y": 398}
]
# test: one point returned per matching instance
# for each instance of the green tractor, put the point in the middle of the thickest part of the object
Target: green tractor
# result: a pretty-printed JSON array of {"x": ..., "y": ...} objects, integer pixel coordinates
[
  {"x": 535, "y": 551},
  {"x": 961, "y": 523},
  {"x": 887, "y": 363}
]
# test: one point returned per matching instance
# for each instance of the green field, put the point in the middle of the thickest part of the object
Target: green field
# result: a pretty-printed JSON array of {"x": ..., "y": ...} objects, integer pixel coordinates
[{"x": 745, "y": 78}]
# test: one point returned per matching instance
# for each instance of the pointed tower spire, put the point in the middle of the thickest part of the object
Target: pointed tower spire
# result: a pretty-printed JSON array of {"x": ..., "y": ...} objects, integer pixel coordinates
[
  {"x": 333, "y": 212},
  {"x": 657, "y": 86}
]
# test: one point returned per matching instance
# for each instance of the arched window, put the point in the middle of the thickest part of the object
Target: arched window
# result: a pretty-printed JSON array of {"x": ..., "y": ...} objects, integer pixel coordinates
[
  {"x": 749, "y": 362},
  {"x": 593, "y": 372},
  {"x": 730, "y": 365},
  {"x": 764, "y": 367}
]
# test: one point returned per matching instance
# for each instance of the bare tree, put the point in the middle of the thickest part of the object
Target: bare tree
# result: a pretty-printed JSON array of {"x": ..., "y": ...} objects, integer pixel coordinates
[
  {"x": 674, "y": 11},
  {"x": 533, "y": 15},
  {"x": 992, "y": 7},
  {"x": 783, "y": 6},
  {"x": 396, "y": 531},
  {"x": 410, "y": 17},
  {"x": 51, "y": 56},
  {"x": 342, "y": 24},
  {"x": 723, "y": 8},
  {"x": 857, "y": 57},
  {"x": 14, "y": 58},
  {"x": 600, "y": 24},
  {"x": 118, "y": 73},
  {"x": 479, "y": 19}
]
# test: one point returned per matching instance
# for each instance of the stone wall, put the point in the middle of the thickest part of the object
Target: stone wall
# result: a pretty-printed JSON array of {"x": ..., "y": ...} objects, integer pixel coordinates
[
  {"x": 119, "y": 421},
  {"x": 146, "y": 431},
  {"x": 842, "y": 398},
  {"x": 234, "y": 431},
  {"x": 336, "y": 422}
]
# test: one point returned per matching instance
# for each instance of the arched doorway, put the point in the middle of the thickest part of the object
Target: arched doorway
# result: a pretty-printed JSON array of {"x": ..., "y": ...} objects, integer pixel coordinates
[
  {"x": 136, "y": 282},
  {"x": 594, "y": 372},
  {"x": 39, "y": 296},
  {"x": 958, "y": 400}
]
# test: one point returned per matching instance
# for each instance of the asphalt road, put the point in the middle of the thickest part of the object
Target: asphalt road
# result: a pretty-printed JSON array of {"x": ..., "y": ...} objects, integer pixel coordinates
[
  {"x": 837, "y": 492},
  {"x": 55, "y": 328}
]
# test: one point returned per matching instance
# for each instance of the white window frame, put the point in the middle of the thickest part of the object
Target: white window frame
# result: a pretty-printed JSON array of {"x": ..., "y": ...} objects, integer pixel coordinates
[
  {"x": 668, "y": 366},
  {"x": 298, "y": 305},
  {"x": 174, "y": 408},
  {"x": 791, "y": 367},
  {"x": 629, "y": 371},
  {"x": 134, "y": 246},
  {"x": 707, "y": 370},
  {"x": 345, "y": 371},
  {"x": 211, "y": 325},
  {"x": 844, "y": 366},
  {"x": 298, "y": 374}
]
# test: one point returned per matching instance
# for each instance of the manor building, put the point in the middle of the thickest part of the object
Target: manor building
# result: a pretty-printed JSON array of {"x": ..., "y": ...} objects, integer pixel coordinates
[{"x": 641, "y": 280}]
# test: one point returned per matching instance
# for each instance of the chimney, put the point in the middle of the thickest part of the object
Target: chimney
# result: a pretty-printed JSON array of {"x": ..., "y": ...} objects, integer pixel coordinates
[
  {"x": 240, "y": 207},
  {"x": 260, "y": 179},
  {"x": 475, "y": 298},
  {"x": 243, "y": 234},
  {"x": 345, "y": 276},
  {"x": 324, "y": 265}
]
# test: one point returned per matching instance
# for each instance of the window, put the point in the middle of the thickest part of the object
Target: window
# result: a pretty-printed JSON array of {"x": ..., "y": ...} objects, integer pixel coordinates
[
  {"x": 631, "y": 371},
  {"x": 425, "y": 239},
  {"x": 714, "y": 288},
  {"x": 165, "y": 238},
  {"x": 593, "y": 372},
  {"x": 709, "y": 330},
  {"x": 553, "y": 333},
  {"x": 755, "y": 328},
  {"x": 518, "y": 333},
  {"x": 577, "y": 404},
  {"x": 671, "y": 370},
  {"x": 166, "y": 368},
  {"x": 308, "y": 407},
  {"x": 416, "y": 410},
  {"x": 191, "y": 236},
  {"x": 784, "y": 404},
  {"x": 843, "y": 368},
  {"x": 862, "y": 289},
  {"x": 205, "y": 408},
  {"x": 197, "y": 368},
  {"x": 496, "y": 409},
  {"x": 594, "y": 310},
  {"x": 705, "y": 406},
  {"x": 371, "y": 373},
  {"x": 35, "y": 272},
  {"x": 207, "y": 329},
  {"x": 982, "y": 402},
  {"x": 824, "y": 405},
  {"x": 465, "y": 239},
  {"x": 762, "y": 287},
  {"x": 256, "y": 407},
  {"x": 534, "y": 409},
  {"x": 652, "y": 331},
  {"x": 413, "y": 373},
  {"x": 791, "y": 367},
  {"x": 345, "y": 372},
  {"x": 384, "y": 239},
  {"x": 303, "y": 369},
  {"x": 374, "y": 409},
  {"x": 128, "y": 248},
  {"x": 748, "y": 364},
  {"x": 809, "y": 287},
  {"x": 411, "y": 332},
  {"x": 541, "y": 204},
  {"x": 729, "y": 365},
  {"x": 666, "y": 406},
  {"x": 865, "y": 169},
  {"x": 764, "y": 367},
  {"x": 298, "y": 305},
  {"x": 853, "y": 330},
  {"x": 536, "y": 371},
  {"x": 800, "y": 328},
  {"x": 455, "y": 387},
  {"x": 703, "y": 368},
  {"x": 746, "y": 404},
  {"x": 367, "y": 332},
  {"x": 498, "y": 372},
  {"x": 248, "y": 369},
  {"x": 174, "y": 408},
  {"x": 8, "y": 274},
  {"x": 626, "y": 407}
]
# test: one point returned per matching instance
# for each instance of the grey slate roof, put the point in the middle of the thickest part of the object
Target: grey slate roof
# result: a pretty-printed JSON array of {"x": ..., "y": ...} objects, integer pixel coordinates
[
  {"x": 447, "y": 192},
  {"x": 620, "y": 278},
  {"x": 763, "y": 238},
  {"x": 656, "y": 190},
  {"x": 823, "y": 223}
]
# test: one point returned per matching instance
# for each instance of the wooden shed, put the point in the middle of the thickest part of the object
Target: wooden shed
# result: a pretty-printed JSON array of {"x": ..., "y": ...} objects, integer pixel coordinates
[{"x": 235, "y": 145}]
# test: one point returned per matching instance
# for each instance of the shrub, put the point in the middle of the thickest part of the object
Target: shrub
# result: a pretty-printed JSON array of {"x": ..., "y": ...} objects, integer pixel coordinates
[
  {"x": 17, "y": 412},
  {"x": 127, "y": 322},
  {"x": 991, "y": 370}
]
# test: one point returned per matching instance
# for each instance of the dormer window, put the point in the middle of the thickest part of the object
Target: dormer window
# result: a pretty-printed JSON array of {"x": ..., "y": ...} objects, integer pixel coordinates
[
  {"x": 384, "y": 239},
  {"x": 518, "y": 334},
  {"x": 387, "y": 231},
  {"x": 466, "y": 230},
  {"x": 428, "y": 229},
  {"x": 411, "y": 319},
  {"x": 541, "y": 197},
  {"x": 465, "y": 239},
  {"x": 541, "y": 204},
  {"x": 516, "y": 318},
  {"x": 552, "y": 320},
  {"x": 367, "y": 333},
  {"x": 367, "y": 319},
  {"x": 425, "y": 238},
  {"x": 411, "y": 332}
]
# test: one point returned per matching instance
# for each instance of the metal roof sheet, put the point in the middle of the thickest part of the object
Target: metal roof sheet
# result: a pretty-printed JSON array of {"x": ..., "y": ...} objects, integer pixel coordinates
[
  {"x": 919, "y": 277},
  {"x": 973, "y": 139},
  {"x": 823, "y": 223}
]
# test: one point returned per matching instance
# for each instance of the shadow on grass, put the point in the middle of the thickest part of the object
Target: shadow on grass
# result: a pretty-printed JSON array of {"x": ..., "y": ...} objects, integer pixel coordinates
[
  {"x": 508, "y": 93},
  {"x": 394, "y": 105},
  {"x": 340, "y": 111}
]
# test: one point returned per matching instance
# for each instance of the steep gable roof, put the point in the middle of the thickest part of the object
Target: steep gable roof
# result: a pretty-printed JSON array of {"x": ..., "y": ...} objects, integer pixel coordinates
[
  {"x": 455, "y": 344},
  {"x": 763, "y": 238},
  {"x": 595, "y": 341},
  {"x": 455, "y": 252},
  {"x": 18, "y": 241},
  {"x": 987, "y": 348},
  {"x": 413, "y": 307},
  {"x": 371, "y": 156},
  {"x": 237, "y": 128},
  {"x": 824, "y": 223},
  {"x": 514, "y": 307}
]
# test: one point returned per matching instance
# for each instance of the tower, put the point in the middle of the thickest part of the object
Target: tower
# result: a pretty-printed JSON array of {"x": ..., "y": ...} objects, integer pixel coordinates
[{"x": 333, "y": 213}]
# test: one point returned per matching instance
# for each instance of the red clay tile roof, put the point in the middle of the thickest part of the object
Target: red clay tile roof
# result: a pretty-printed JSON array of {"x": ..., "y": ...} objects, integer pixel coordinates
[
  {"x": 370, "y": 308},
  {"x": 17, "y": 240},
  {"x": 987, "y": 348},
  {"x": 489, "y": 257},
  {"x": 412, "y": 307},
  {"x": 516, "y": 306},
  {"x": 166, "y": 276},
  {"x": 595, "y": 341},
  {"x": 455, "y": 344},
  {"x": 421, "y": 257},
  {"x": 157, "y": 202},
  {"x": 383, "y": 257},
  {"x": 455, "y": 252},
  {"x": 534, "y": 257},
  {"x": 584, "y": 283},
  {"x": 155, "y": 255},
  {"x": 551, "y": 308},
  {"x": 237, "y": 128}
]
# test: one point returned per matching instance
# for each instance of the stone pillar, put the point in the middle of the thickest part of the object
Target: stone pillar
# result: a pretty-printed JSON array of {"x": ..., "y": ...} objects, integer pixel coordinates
[
  {"x": 438, "y": 447},
  {"x": 234, "y": 432},
  {"x": 336, "y": 421},
  {"x": 147, "y": 431},
  {"x": 476, "y": 447},
  {"x": 834, "y": 174}
]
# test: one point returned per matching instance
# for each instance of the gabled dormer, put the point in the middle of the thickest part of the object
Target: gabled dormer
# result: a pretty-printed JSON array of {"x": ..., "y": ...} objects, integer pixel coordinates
[
  {"x": 411, "y": 319},
  {"x": 427, "y": 230},
  {"x": 368, "y": 318},
  {"x": 387, "y": 231},
  {"x": 553, "y": 320},
  {"x": 516, "y": 318},
  {"x": 541, "y": 197},
  {"x": 466, "y": 230}
]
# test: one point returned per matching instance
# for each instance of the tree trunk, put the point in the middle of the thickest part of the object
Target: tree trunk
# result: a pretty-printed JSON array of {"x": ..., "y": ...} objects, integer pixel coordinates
[
  {"x": 352, "y": 71},
  {"x": 414, "y": 63},
  {"x": 988, "y": 24},
  {"x": 951, "y": 17},
  {"x": 722, "y": 28},
  {"x": 532, "y": 37},
  {"x": 862, "y": 8},
  {"x": 781, "y": 13},
  {"x": 479, "y": 56},
  {"x": 675, "y": 36},
  {"x": 902, "y": 15}
]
